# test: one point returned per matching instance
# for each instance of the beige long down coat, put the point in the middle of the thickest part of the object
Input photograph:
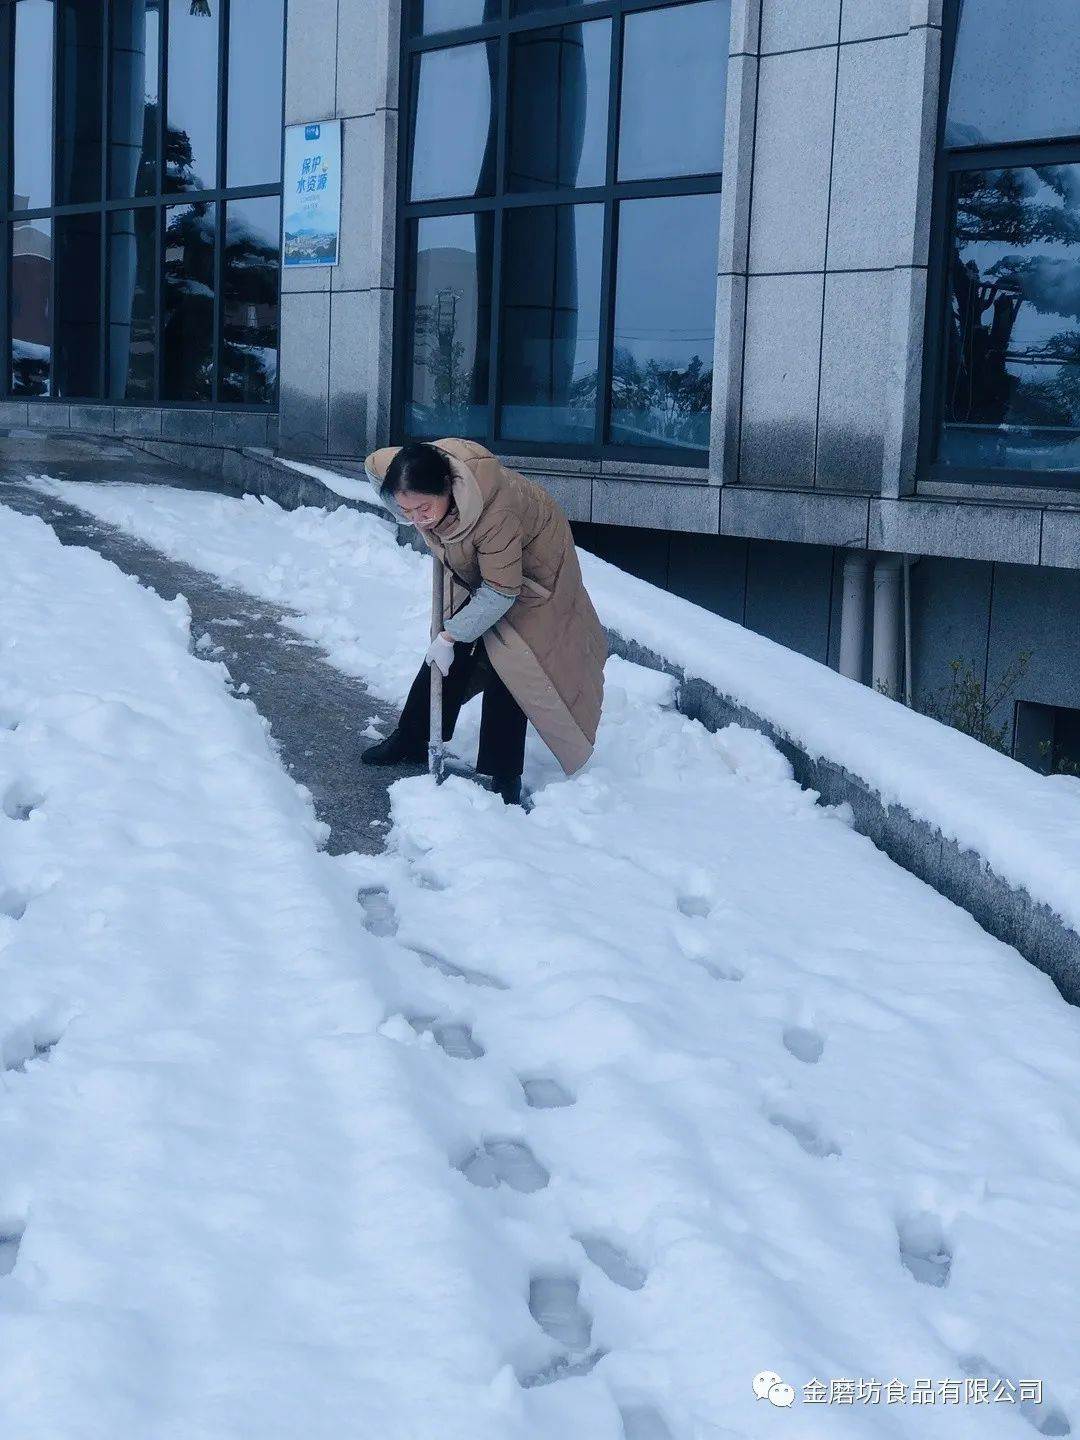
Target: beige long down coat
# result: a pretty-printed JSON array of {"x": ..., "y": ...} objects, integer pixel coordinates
[{"x": 549, "y": 648}]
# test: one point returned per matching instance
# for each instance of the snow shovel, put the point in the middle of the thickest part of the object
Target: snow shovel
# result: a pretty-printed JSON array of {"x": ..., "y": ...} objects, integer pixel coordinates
[{"x": 436, "y": 754}]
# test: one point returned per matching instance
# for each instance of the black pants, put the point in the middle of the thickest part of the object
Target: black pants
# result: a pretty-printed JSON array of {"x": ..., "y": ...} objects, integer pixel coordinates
[{"x": 502, "y": 720}]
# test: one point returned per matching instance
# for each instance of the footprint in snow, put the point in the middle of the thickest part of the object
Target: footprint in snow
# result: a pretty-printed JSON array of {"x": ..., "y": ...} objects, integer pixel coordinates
[
  {"x": 1046, "y": 1418},
  {"x": 696, "y": 906},
  {"x": 20, "y": 802},
  {"x": 10, "y": 1241},
  {"x": 805, "y": 1043},
  {"x": 26, "y": 1043},
  {"x": 614, "y": 1262},
  {"x": 642, "y": 1422},
  {"x": 13, "y": 904},
  {"x": 452, "y": 971},
  {"x": 453, "y": 1036},
  {"x": 545, "y": 1094},
  {"x": 554, "y": 1305},
  {"x": 380, "y": 917},
  {"x": 426, "y": 881},
  {"x": 719, "y": 972},
  {"x": 806, "y": 1133},
  {"x": 924, "y": 1252},
  {"x": 504, "y": 1162}
]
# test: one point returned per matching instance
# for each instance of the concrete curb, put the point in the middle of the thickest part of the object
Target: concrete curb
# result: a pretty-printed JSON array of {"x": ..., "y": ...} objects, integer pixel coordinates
[{"x": 1005, "y": 911}]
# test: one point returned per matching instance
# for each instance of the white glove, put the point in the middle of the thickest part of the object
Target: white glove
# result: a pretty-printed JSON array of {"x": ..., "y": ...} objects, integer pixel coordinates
[{"x": 441, "y": 653}]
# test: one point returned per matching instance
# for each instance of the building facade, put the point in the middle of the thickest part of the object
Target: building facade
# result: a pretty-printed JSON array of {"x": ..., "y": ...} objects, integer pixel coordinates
[{"x": 780, "y": 298}]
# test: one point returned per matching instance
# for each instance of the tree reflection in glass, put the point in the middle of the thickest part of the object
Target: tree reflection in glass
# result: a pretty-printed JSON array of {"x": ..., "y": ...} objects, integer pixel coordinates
[
  {"x": 552, "y": 259},
  {"x": 449, "y": 309},
  {"x": 661, "y": 385},
  {"x": 31, "y": 329},
  {"x": 188, "y": 323},
  {"x": 249, "y": 342},
  {"x": 1013, "y": 340},
  {"x": 191, "y": 130}
]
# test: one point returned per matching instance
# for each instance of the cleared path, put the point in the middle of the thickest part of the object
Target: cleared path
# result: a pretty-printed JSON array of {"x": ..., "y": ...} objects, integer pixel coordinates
[{"x": 317, "y": 715}]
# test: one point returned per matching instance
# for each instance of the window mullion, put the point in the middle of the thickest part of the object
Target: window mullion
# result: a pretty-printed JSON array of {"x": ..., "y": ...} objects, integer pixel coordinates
[
  {"x": 216, "y": 345},
  {"x": 7, "y": 70},
  {"x": 103, "y": 296},
  {"x": 160, "y": 211},
  {"x": 605, "y": 356},
  {"x": 495, "y": 344}
]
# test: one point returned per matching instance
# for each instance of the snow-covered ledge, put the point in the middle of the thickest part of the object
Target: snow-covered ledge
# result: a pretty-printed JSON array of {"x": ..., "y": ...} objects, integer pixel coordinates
[{"x": 993, "y": 836}]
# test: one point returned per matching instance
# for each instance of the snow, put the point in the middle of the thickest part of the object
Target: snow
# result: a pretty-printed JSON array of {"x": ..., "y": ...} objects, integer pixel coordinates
[
  {"x": 227, "y": 1208},
  {"x": 673, "y": 1082},
  {"x": 1024, "y": 825},
  {"x": 340, "y": 484}
]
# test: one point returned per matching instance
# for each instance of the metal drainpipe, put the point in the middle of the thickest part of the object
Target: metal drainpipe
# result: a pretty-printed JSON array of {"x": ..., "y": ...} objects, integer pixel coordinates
[
  {"x": 886, "y": 664},
  {"x": 907, "y": 631},
  {"x": 853, "y": 614}
]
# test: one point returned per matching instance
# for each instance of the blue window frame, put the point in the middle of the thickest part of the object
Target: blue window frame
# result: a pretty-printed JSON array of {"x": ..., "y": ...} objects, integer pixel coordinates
[
  {"x": 560, "y": 171},
  {"x": 140, "y": 200},
  {"x": 1003, "y": 374}
]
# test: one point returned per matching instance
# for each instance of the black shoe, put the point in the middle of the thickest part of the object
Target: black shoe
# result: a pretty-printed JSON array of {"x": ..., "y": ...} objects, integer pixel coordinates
[
  {"x": 394, "y": 750},
  {"x": 509, "y": 787}
]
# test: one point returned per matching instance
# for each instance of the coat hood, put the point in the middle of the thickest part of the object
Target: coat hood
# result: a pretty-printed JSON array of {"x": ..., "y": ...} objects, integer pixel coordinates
[{"x": 468, "y": 496}]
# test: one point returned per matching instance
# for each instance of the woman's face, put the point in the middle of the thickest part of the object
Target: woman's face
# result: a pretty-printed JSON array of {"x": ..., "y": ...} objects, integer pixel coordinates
[{"x": 425, "y": 511}]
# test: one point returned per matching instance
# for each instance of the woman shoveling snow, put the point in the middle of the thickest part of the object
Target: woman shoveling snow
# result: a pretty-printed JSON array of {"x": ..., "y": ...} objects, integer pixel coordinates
[{"x": 512, "y": 581}]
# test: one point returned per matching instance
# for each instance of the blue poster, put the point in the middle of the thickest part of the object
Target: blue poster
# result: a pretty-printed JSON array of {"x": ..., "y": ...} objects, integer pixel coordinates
[{"x": 311, "y": 202}]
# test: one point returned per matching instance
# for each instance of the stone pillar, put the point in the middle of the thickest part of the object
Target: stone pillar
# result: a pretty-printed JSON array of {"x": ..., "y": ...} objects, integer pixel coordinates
[
  {"x": 853, "y": 615},
  {"x": 336, "y": 322},
  {"x": 824, "y": 246},
  {"x": 888, "y": 570},
  {"x": 734, "y": 240}
]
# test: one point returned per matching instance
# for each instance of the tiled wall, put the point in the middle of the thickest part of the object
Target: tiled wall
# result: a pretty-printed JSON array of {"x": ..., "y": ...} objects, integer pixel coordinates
[
  {"x": 342, "y": 62},
  {"x": 823, "y": 249}
]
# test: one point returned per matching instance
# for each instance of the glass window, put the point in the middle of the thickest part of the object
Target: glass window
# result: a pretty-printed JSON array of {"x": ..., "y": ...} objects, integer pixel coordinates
[
  {"x": 674, "y": 83},
  {"x": 256, "y": 56},
  {"x": 559, "y": 106},
  {"x": 448, "y": 317},
  {"x": 1016, "y": 72},
  {"x": 664, "y": 315},
  {"x": 31, "y": 307},
  {"x": 1012, "y": 385},
  {"x": 249, "y": 354},
  {"x": 601, "y": 280},
  {"x": 77, "y": 332},
  {"x": 81, "y": 74},
  {"x": 551, "y": 322},
  {"x": 187, "y": 328},
  {"x": 191, "y": 133},
  {"x": 33, "y": 117},
  {"x": 126, "y": 312},
  {"x": 454, "y": 135},
  {"x": 135, "y": 54},
  {"x": 132, "y": 304},
  {"x": 431, "y": 17}
]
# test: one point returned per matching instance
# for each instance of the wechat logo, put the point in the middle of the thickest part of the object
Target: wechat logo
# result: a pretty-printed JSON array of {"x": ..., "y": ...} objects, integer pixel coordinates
[{"x": 769, "y": 1386}]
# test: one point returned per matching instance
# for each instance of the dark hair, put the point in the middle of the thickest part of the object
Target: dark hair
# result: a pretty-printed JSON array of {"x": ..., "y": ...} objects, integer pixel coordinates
[{"x": 418, "y": 467}]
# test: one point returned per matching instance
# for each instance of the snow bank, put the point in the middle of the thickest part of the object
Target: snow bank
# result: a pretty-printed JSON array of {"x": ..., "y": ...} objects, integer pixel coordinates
[
  {"x": 227, "y": 1204},
  {"x": 729, "y": 1090},
  {"x": 1025, "y": 826},
  {"x": 343, "y": 485}
]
